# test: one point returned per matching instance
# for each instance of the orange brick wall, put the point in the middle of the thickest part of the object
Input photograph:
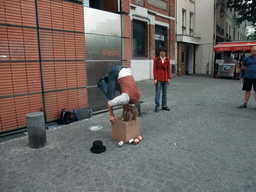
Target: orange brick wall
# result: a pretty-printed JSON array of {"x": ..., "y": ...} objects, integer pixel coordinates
[
  {"x": 20, "y": 81},
  {"x": 126, "y": 6},
  {"x": 151, "y": 42},
  {"x": 61, "y": 28},
  {"x": 63, "y": 49},
  {"x": 127, "y": 34}
]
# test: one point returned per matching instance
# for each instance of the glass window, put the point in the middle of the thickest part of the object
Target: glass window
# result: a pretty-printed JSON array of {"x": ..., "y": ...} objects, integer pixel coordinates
[
  {"x": 97, "y": 4},
  {"x": 183, "y": 22},
  {"x": 229, "y": 31},
  {"x": 139, "y": 2},
  {"x": 191, "y": 22},
  {"x": 160, "y": 38},
  {"x": 139, "y": 33},
  {"x": 226, "y": 29}
]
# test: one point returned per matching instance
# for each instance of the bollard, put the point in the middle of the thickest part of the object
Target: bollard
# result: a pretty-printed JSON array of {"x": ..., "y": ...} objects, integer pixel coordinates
[{"x": 36, "y": 129}]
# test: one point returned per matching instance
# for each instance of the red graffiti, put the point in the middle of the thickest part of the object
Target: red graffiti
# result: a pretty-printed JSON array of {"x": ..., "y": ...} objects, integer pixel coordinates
[{"x": 110, "y": 53}]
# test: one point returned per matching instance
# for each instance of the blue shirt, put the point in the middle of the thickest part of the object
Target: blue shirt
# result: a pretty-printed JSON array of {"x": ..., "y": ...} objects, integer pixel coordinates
[{"x": 250, "y": 64}]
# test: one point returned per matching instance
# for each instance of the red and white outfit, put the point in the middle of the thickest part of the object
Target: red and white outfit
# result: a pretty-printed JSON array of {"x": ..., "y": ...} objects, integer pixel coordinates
[
  {"x": 130, "y": 92},
  {"x": 162, "y": 71}
]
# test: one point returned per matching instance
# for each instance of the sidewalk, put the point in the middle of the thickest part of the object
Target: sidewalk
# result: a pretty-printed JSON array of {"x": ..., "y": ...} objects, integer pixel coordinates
[{"x": 205, "y": 143}]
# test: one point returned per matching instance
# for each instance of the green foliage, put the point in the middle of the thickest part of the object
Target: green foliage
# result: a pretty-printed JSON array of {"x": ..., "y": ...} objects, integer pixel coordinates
[
  {"x": 246, "y": 10},
  {"x": 252, "y": 36}
]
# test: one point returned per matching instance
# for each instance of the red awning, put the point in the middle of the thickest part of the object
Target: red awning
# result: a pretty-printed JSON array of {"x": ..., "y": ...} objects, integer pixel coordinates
[{"x": 238, "y": 47}]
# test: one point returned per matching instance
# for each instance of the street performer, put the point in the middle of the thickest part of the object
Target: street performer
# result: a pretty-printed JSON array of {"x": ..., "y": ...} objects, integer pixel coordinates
[{"x": 120, "y": 79}]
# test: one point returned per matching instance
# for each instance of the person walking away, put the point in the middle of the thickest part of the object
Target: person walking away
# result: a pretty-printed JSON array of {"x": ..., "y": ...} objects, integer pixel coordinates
[
  {"x": 249, "y": 66},
  {"x": 162, "y": 78},
  {"x": 120, "y": 79}
]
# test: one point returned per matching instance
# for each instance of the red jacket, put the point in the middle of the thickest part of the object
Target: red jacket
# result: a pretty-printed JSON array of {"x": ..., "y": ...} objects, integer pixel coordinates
[{"x": 162, "y": 71}]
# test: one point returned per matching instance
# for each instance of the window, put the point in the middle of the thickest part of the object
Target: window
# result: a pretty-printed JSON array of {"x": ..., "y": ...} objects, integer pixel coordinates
[
  {"x": 229, "y": 31},
  {"x": 160, "y": 38},
  {"x": 191, "y": 22},
  {"x": 139, "y": 33},
  {"x": 139, "y": 2},
  {"x": 183, "y": 22},
  {"x": 97, "y": 4},
  {"x": 226, "y": 29}
]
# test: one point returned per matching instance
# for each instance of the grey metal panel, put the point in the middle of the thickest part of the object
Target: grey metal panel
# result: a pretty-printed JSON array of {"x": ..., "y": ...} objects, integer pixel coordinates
[
  {"x": 102, "y": 47},
  {"x": 102, "y": 22},
  {"x": 95, "y": 70},
  {"x": 97, "y": 100}
]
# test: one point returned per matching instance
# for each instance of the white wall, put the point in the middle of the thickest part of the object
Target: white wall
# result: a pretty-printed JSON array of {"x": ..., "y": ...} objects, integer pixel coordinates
[
  {"x": 204, "y": 25},
  {"x": 142, "y": 69},
  {"x": 229, "y": 19},
  {"x": 189, "y": 7},
  {"x": 204, "y": 28}
]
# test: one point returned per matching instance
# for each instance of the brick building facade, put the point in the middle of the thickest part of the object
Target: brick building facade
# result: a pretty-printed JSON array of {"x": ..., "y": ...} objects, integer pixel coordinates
[
  {"x": 158, "y": 19},
  {"x": 47, "y": 56}
]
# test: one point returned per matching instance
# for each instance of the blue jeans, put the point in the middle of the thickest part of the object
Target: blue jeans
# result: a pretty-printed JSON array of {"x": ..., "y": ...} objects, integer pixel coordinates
[
  {"x": 109, "y": 89},
  {"x": 159, "y": 85}
]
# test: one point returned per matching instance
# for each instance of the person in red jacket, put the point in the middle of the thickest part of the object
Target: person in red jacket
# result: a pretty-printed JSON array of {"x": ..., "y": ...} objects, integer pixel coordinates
[{"x": 162, "y": 78}]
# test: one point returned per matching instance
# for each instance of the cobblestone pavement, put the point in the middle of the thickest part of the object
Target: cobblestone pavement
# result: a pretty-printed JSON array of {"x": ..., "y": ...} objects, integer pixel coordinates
[{"x": 205, "y": 143}]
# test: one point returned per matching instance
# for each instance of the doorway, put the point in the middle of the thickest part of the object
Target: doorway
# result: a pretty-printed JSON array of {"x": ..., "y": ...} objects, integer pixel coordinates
[
  {"x": 182, "y": 67},
  {"x": 160, "y": 36}
]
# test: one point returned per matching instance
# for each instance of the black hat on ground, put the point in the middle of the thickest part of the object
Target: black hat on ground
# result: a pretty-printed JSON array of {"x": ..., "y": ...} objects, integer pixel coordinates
[{"x": 98, "y": 147}]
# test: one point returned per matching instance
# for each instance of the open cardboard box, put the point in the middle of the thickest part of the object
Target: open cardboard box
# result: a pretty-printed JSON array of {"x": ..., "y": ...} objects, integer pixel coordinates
[{"x": 125, "y": 130}]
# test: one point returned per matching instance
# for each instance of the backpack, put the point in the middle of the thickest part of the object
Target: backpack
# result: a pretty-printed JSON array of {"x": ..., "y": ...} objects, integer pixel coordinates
[
  {"x": 83, "y": 113},
  {"x": 66, "y": 117}
]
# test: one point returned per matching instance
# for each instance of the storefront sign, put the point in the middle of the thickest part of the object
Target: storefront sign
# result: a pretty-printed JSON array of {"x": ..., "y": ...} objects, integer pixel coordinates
[
  {"x": 159, "y": 37},
  {"x": 158, "y": 3}
]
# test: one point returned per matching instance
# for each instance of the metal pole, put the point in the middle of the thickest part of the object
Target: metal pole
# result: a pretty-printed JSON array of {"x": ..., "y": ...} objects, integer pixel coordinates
[
  {"x": 122, "y": 32},
  {"x": 40, "y": 59}
]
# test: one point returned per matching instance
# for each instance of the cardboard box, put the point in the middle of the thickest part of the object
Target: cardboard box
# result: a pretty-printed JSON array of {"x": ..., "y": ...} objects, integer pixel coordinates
[{"x": 125, "y": 130}]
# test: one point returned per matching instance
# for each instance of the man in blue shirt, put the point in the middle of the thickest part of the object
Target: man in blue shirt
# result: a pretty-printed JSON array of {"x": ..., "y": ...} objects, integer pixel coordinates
[{"x": 249, "y": 66}]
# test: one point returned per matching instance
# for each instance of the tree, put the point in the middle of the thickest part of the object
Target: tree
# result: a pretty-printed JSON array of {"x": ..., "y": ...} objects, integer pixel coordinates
[
  {"x": 246, "y": 10},
  {"x": 252, "y": 36}
]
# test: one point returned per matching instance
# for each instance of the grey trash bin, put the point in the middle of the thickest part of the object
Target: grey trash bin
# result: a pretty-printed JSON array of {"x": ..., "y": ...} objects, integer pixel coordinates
[{"x": 36, "y": 129}]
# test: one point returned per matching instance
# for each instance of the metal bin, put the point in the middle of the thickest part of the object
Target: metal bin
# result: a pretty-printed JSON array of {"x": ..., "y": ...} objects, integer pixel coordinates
[{"x": 226, "y": 70}]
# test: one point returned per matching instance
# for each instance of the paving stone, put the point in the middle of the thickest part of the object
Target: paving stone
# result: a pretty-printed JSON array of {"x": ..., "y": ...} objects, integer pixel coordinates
[{"x": 205, "y": 143}]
